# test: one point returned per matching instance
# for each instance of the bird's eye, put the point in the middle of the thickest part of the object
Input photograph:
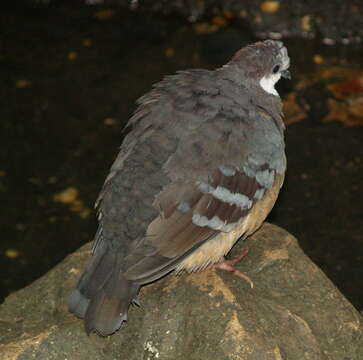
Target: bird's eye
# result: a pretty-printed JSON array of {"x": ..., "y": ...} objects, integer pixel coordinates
[{"x": 276, "y": 69}]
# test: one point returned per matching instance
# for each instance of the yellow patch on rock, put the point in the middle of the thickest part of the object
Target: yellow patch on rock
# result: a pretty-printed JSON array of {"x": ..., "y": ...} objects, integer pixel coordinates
[
  {"x": 235, "y": 328},
  {"x": 210, "y": 281},
  {"x": 12, "y": 351},
  {"x": 273, "y": 255},
  {"x": 277, "y": 354},
  {"x": 172, "y": 283},
  {"x": 241, "y": 340},
  {"x": 74, "y": 271}
]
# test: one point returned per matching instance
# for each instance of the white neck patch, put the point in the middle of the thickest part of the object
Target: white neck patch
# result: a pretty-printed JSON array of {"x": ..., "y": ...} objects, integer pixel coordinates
[{"x": 268, "y": 83}]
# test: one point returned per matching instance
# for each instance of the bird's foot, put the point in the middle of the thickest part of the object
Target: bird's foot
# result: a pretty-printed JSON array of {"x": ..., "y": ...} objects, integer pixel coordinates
[{"x": 229, "y": 265}]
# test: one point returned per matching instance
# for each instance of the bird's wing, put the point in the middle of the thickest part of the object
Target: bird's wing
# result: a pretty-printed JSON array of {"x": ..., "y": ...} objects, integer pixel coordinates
[
  {"x": 215, "y": 184},
  {"x": 190, "y": 215}
]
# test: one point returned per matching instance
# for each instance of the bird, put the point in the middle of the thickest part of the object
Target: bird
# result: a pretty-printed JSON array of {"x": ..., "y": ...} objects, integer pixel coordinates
[{"x": 200, "y": 168}]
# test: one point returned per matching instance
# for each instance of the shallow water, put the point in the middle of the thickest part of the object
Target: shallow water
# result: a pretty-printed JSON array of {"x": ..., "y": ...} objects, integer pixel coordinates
[{"x": 69, "y": 83}]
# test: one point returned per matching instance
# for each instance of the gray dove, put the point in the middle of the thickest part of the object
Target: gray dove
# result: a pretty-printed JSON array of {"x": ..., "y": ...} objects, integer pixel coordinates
[{"x": 201, "y": 168}]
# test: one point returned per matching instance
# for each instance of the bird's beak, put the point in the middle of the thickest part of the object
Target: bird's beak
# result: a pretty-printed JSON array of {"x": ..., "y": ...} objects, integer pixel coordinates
[{"x": 286, "y": 74}]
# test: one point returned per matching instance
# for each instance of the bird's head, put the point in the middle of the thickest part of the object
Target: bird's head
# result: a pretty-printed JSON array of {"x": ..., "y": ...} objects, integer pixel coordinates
[{"x": 263, "y": 63}]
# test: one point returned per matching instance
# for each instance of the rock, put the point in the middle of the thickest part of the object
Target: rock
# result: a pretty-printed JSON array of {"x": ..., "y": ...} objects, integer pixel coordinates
[{"x": 293, "y": 312}]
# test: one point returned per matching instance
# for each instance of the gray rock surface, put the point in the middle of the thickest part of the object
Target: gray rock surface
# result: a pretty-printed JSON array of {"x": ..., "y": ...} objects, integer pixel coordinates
[{"x": 293, "y": 312}]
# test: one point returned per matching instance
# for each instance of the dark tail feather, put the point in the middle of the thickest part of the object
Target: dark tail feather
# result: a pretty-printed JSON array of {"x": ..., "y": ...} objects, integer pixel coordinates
[
  {"x": 108, "y": 309},
  {"x": 103, "y": 294}
]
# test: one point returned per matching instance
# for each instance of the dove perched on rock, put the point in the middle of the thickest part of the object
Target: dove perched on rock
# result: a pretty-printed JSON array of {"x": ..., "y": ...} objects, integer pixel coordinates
[{"x": 201, "y": 168}]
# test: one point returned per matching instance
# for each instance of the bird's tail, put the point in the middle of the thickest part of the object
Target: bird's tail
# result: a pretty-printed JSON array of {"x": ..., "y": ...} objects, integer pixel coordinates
[{"x": 103, "y": 294}]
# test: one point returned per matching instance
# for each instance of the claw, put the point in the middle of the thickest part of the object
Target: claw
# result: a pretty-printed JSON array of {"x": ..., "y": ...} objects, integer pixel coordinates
[{"x": 229, "y": 265}]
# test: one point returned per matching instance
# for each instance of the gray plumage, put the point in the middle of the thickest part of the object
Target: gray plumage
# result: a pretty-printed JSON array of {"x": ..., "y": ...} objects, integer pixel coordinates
[{"x": 204, "y": 149}]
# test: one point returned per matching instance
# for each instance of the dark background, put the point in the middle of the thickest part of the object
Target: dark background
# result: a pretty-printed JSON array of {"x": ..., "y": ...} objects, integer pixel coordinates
[{"x": 69, "y": 78}]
